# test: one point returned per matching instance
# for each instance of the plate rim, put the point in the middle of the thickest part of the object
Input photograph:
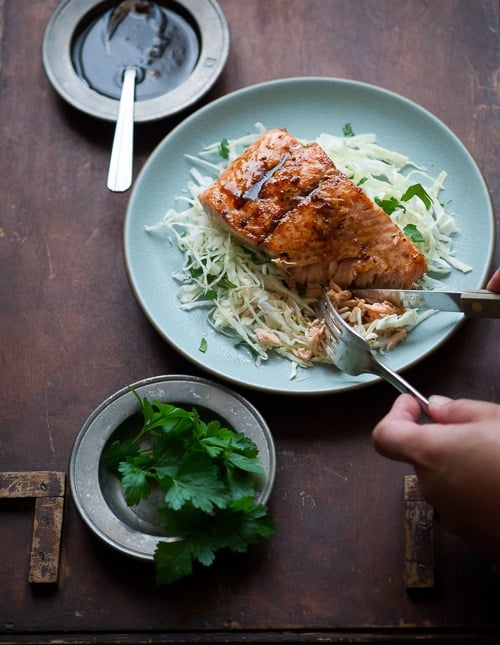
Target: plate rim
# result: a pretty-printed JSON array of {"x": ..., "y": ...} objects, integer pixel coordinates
[{"x": 363, "y": 380}]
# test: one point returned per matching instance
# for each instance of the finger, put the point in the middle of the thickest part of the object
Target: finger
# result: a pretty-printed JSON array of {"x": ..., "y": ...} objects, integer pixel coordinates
[
  {"x": 405, "y": 408},
  {"x": 460, "y": 410},
  {"x": 393, "y": 436},
  {"x": 494, "y": 282}
]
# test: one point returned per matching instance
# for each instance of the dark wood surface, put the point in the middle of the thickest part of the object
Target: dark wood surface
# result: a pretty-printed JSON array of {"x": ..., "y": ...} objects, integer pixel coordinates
[{"x": 71, "y": 333}]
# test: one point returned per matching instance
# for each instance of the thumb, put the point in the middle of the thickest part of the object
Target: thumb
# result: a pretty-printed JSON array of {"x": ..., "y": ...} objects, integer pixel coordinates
[
  {"x": 444, "y": 410},
  {"x": 494, "y": 282}
]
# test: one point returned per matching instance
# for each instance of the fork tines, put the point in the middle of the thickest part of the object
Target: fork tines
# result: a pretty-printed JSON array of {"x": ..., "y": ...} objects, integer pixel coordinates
[{"x": 331, "y": 316}]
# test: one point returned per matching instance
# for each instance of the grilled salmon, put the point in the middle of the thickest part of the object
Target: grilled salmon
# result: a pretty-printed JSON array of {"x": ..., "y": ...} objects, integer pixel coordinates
[{"x": 289, "y": 201}]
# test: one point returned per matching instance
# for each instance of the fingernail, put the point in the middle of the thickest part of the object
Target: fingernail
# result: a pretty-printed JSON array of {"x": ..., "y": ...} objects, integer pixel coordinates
[{"x": 437, "y": 399}]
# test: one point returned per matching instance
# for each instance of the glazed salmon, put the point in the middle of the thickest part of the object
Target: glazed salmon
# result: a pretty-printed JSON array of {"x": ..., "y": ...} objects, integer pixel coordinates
[{"x": 290, "y": 202}]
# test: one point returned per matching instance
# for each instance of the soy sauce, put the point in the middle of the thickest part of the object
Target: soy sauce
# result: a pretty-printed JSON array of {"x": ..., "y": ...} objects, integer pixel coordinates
[{"x": 169, "y": 60}]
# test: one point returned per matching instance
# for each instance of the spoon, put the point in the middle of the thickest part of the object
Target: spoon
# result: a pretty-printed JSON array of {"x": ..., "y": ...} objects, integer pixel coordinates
[
  {"x": 133, "y": 32},
  {"x": 122, "y": 152}
]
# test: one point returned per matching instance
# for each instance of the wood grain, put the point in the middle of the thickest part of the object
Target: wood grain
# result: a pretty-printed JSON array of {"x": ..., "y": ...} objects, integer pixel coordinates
[{"x": 72, "y": 333}]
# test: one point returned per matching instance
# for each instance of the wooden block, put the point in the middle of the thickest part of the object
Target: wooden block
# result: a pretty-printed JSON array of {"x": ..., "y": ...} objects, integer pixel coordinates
[
  {"x": 48, "y": 488},
  {"x": 32, "y": 484},
  {"x": 46, "y": 540},
  {"x": 418, "y": 537}
]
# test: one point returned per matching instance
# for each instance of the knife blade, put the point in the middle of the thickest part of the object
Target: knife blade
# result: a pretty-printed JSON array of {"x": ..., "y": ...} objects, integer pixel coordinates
[{"x": 478, "y": 303}]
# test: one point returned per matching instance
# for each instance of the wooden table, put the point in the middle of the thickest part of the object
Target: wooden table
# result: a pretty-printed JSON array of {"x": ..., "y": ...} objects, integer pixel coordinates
[{"x": 72, "y": 334}]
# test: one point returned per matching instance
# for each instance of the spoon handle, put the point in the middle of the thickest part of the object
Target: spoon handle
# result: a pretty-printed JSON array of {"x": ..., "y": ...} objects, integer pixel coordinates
[{"x": 120, "y": 165}]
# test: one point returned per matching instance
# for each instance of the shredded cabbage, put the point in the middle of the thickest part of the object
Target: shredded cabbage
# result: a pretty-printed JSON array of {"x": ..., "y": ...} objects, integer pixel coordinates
[{"x": 245, "y": 294}]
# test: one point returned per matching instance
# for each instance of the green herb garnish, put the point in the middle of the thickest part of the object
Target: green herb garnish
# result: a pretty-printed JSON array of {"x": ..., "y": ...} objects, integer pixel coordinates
[
  {"x": 224, "y": 148},
  {"x": 411, "y": 231},
  {"x": 347, "y": 130},
  {"x": 203, "y": 345},
  {"x": 211, "y": 294},
  {"x": 388, "y": 205},
  {"x": 205, "y": 471},
  {"x": 417, "y": 190}
]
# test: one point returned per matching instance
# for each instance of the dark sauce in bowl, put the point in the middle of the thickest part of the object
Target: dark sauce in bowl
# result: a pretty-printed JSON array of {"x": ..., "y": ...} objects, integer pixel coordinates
[{"x": 163, "y": 63}]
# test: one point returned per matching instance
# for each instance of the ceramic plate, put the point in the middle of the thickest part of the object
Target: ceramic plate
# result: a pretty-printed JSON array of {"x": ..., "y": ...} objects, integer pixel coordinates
[
  {"x": 97, "y": 493},
  {"x": 306, "y": 107}
]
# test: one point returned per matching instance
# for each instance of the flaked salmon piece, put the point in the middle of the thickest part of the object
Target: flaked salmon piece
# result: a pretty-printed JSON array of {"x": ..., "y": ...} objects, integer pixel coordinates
[{"x": 289, "y": 201}]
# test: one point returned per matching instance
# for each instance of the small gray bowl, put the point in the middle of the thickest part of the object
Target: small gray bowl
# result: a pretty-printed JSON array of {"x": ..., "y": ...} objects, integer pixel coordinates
[
  {"x": 97, "y": 493},
  {"x": 206, "y": 16}
]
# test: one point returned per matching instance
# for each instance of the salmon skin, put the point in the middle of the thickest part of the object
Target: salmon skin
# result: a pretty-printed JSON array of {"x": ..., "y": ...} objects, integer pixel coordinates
[{"x": 289, "y": 201}]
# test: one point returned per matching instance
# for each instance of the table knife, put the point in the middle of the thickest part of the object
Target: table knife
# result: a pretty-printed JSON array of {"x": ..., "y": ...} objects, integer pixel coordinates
[{"x": 479, "y": 303}]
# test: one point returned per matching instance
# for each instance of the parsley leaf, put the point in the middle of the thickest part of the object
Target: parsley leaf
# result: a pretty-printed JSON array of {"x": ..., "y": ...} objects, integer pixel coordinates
[
  {"x": 195, "y": 481},
  {"x": 347, "y": 130},
  {"x": 388, "y": 205},
  {"x": 241, "y": 524},
  {"x": 173, "y": 561},
  {"x": 411, "y": 231},
  {"x": 417, "y": 190},
  {"x": 135, "y": 482},
  {"x": 224, "y": 148},
  {"x": 119, "y": 451},
  {"x": 206, "y": 474}
]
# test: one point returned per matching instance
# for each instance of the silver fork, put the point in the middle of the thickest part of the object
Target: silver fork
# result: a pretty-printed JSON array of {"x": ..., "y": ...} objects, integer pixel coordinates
[{"x": 352, "y": 354}]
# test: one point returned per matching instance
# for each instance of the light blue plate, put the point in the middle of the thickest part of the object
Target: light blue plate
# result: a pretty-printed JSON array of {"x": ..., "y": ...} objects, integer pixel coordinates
[{"x": 306, "y": 107}]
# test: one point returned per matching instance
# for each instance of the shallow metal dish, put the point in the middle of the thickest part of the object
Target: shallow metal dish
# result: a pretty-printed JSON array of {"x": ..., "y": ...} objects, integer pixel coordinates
[
  {"x": 208, "y": 19},
  {"x": 97, "y": 493}
]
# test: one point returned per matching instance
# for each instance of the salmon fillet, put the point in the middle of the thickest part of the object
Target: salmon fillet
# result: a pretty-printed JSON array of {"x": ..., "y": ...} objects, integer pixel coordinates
[{"x": 290, "y": 202}]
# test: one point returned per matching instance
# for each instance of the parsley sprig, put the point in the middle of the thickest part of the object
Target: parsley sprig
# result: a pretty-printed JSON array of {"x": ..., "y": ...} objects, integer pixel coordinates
[
  {"x": 391, "y": 204},
  {"x": 224, "y": 148},
  {"x": 206, "y": 472}
]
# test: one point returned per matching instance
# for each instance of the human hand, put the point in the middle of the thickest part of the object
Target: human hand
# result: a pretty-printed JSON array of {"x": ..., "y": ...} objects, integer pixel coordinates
[
  {"x": 494, "y": 282},
  {"x": 456, "y": 458}
]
